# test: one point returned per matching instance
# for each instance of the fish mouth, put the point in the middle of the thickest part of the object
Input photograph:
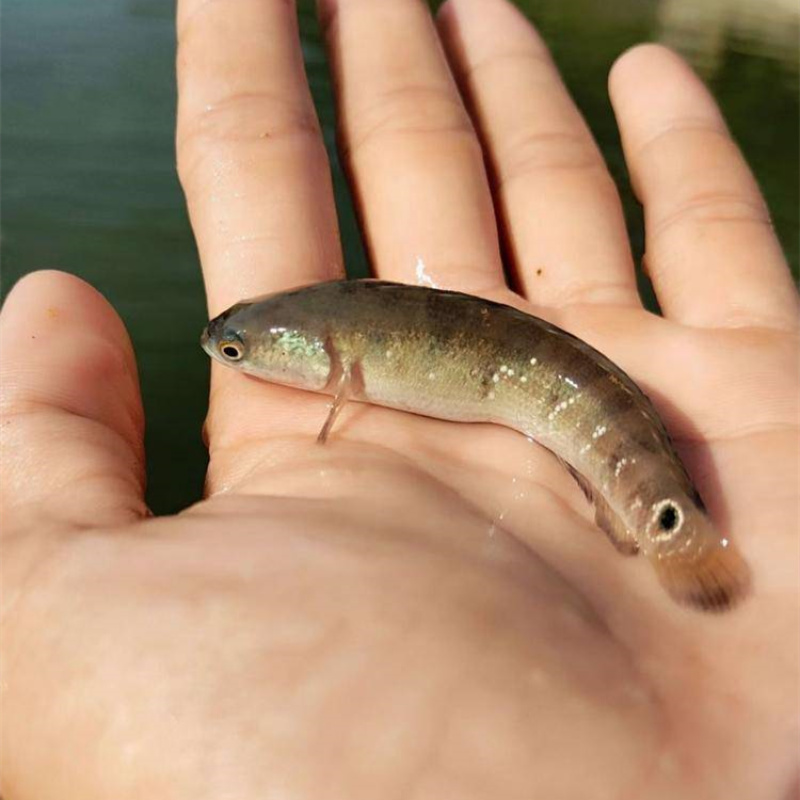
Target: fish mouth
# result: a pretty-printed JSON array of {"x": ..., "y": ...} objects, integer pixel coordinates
[
  {"x": 211, "y": 334},
  {"x": 207, "y": 342},
  {"x": 204, "y": 340}
]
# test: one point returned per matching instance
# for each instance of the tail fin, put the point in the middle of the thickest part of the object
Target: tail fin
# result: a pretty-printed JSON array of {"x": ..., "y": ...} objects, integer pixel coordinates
[{"x": 718, "y": 579}]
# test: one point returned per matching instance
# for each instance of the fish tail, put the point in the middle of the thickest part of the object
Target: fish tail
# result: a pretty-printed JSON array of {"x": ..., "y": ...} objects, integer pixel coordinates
[{"x": 717, "y": 580}]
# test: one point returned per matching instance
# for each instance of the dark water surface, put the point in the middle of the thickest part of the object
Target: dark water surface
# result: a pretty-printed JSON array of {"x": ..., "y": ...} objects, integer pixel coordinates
[{"x": 89, "y": 186}]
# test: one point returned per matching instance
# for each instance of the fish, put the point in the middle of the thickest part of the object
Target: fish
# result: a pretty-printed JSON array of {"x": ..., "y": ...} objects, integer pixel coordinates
[{"x": 457, "y": 357}]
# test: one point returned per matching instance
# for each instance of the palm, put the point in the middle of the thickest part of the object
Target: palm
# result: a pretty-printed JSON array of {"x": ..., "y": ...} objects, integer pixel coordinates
[{"x": 418, "y": 607}]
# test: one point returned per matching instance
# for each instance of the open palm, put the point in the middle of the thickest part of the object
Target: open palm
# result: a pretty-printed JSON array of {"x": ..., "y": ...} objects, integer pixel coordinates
[{"x": 418, "y": 609}]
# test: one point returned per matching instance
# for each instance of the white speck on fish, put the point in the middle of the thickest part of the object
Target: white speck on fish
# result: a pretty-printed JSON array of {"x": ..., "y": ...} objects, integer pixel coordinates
[{"x": 558, "y": 409}]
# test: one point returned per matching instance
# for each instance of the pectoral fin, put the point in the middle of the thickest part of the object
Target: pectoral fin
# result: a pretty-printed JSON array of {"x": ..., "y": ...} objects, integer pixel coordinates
[
  {"x": 340, "y": 398},
  {"x": 621, "y": 537},
  {"x": 605, "y": 518}
]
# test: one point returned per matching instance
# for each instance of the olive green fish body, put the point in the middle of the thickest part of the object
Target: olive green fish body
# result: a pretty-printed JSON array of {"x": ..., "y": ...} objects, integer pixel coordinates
[{"x": 456, "y": 357}]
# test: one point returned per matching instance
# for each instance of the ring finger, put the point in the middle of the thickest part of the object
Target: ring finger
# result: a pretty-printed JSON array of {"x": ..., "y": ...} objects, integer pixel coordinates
[{"x": 560, "y": 209}]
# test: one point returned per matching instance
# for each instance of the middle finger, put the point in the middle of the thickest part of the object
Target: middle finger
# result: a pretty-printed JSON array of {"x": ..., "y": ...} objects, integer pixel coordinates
[{"x": 415, "y": 161}]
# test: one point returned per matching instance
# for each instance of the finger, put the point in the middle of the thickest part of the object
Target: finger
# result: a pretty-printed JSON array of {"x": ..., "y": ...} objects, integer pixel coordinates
[
  {"x": 414, "y": 159},
  {"x": 250, "y": 154},
  {"x": 710, "y": 248},
  {"x": 257, "y": 182},
  {"x": 561, "y": 212},
  {"x": 70, "y": 411}
]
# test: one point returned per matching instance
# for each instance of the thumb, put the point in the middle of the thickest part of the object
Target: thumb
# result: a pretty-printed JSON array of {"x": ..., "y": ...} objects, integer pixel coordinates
[{"x": 71, "y": 419}]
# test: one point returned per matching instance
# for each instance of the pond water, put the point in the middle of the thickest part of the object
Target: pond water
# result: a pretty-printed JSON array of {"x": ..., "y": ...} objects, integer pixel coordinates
[{"x": 88, "y": 179}]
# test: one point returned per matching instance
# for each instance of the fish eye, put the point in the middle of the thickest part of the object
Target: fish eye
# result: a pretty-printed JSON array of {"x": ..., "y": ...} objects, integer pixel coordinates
[
  {"x": 667, "y": 519},
  {"x": 232, "y": 350}
]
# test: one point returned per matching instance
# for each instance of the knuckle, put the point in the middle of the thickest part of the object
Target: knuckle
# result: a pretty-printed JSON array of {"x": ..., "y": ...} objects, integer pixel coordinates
[
  {"x": 579, "y": 293},
  {"x": 709, "y": 133},
  {"x": 547, "y": 150},
  {"x": 242, "y": 120},
  {"x": 409, "y": 110},
  {"x": 711, "y": 207},
  {"x": 528, "y": 59}
]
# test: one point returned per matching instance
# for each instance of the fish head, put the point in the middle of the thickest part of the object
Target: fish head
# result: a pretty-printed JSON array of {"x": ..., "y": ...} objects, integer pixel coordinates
[{"x": 271, "y": 341}]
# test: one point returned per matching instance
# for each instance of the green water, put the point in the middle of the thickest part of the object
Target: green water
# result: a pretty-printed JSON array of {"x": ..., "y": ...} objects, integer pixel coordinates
[{"x": 88, "y": 179}]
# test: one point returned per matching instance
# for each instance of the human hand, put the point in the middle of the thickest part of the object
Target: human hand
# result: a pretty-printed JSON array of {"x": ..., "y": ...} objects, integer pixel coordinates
[{"x": 418, "y": 608}]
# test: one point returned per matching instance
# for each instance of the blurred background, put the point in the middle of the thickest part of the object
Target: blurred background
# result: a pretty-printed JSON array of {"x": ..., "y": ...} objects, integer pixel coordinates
[{"x": 88, "y": 177}]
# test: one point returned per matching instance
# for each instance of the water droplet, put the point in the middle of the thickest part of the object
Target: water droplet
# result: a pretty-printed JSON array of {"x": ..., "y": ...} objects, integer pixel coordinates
[{"x": 423, "y": 279}]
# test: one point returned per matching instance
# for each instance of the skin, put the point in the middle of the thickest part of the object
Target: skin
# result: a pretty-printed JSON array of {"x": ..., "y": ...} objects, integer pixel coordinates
[{"x": 420, "y": 609}]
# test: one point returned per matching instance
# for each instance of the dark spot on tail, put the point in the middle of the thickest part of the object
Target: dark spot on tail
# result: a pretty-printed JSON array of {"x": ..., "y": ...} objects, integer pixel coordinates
[
  {"x": 718, "y": 598},
  {"x": 716, "y": 583}
]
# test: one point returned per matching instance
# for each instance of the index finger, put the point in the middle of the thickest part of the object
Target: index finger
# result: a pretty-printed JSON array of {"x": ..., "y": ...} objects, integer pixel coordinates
[
  {"x": 255, "y": 172},
  {"x": 250, "y": 154}
]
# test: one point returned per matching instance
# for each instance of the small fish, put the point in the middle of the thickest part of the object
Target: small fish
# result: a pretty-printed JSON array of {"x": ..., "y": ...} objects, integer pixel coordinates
[{"x": 456, "y": 357}]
